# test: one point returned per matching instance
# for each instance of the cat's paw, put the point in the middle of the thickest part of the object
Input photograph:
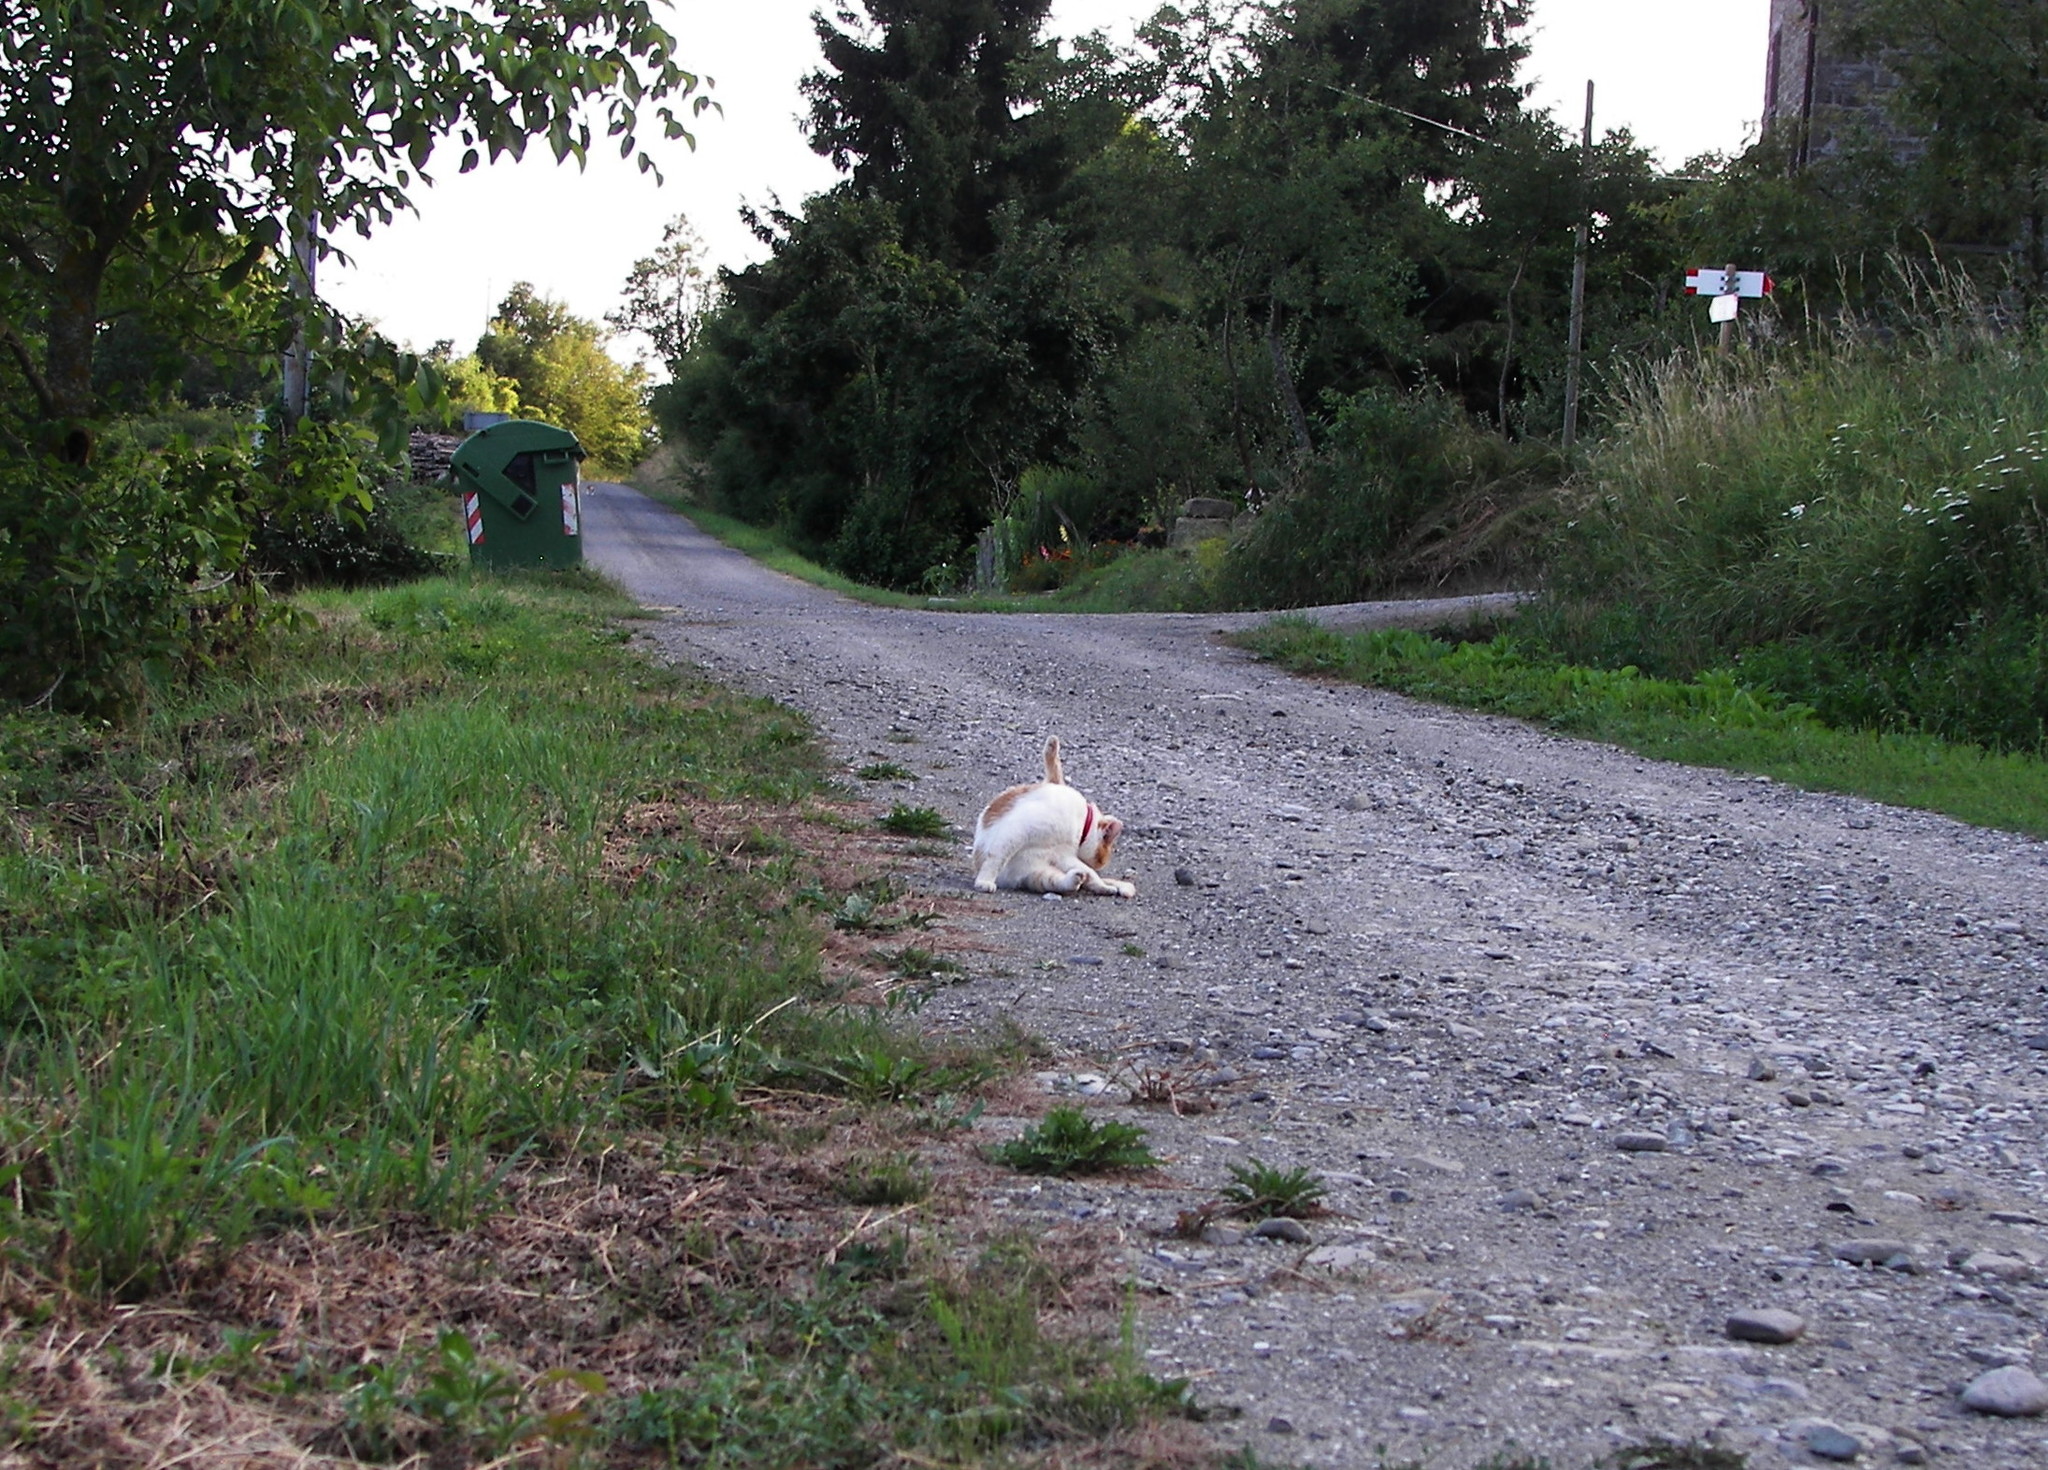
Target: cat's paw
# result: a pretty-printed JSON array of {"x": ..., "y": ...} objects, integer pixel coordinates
[
  {"x": 985, "y": 885},
  {"x": 1123, "y": 889}
]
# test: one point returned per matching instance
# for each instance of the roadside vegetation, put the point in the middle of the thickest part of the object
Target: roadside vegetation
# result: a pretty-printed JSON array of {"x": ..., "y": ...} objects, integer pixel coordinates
[
  {"x": 438, "y": 1036},
  {"x": 1826, "y": 563}
]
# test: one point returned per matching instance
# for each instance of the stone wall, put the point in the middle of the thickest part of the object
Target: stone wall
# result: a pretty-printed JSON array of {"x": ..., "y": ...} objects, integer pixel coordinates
[{"x": 1818, "y": 90}]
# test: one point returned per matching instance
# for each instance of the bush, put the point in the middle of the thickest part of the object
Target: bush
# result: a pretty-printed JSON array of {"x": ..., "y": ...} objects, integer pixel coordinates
[
  {"x": 121, "y": 575},
  {"x": 116, "y": 576},
  {"x": 1861, "y": 522},
  {"x": 1406, "y": 491}
]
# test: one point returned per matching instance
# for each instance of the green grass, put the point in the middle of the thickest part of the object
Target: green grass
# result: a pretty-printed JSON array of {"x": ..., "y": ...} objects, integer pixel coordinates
[
  {"x": 1713, "y": 720},
  {"x": 344, "y": 937},
  {"x": 885, "y": 771}
]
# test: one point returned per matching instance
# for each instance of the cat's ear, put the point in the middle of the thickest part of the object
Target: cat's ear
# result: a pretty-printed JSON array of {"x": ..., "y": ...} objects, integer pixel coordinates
[{"x": 1107, "y": 830}]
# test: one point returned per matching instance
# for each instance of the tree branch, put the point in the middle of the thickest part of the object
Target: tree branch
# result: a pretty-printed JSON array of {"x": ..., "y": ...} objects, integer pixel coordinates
[{"x": 26, "y": 361}]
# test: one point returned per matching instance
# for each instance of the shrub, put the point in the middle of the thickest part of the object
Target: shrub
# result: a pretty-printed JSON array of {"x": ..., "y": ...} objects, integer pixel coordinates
[
  {"x": 118, "y": 575},
  {"x": 1405, "y": 491},
  {"x": 1861, "y": 522}
]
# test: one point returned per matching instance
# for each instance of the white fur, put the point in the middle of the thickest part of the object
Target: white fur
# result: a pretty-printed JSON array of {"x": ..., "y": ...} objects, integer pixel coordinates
[{"x": 1046, "y": 838}]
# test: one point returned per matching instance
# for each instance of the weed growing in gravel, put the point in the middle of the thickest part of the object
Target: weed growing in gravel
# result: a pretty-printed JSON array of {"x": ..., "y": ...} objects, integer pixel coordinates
[
  {"x": 1066, "y": 1142},
  {"x": 1262, "y": 1191},
  {"x": 886, "y": 1179},
  {"x": 916, "y": 821},
  {"x": 885, "y": 771}
]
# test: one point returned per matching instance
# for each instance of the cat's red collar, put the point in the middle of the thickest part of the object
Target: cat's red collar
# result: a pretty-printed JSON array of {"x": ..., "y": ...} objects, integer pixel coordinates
[{"x": 1088, "y": 822}]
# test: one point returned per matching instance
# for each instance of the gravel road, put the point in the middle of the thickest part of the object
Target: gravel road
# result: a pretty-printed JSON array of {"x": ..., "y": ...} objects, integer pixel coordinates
[{"x": 1592, "y": 1053}]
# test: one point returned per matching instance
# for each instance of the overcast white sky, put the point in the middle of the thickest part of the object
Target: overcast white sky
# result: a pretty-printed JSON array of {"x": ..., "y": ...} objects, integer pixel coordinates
[{"x": 1684, "y": 77}]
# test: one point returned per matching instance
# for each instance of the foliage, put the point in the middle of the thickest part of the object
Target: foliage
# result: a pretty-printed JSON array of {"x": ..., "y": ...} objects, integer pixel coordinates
[
  {"x": 1262, "y": 1191},
  {"x": 1405, "y": 491},
  {"x": 326, "y": 521},
  {"x": 1147, "y": 274},
  {"x": 156, "y": 159},
  {"x": 1861, "y": 520},
  {"x": 916, "y": 821},
  {"x": 1065, "y": 1141},
  {"x": 559, "y": 368},
  {"x": 667, "y": 294},
  {"x": 469, "y": 387},
  {"x": 116, "y": 578},
  {"x": 1973, "y": 92}
]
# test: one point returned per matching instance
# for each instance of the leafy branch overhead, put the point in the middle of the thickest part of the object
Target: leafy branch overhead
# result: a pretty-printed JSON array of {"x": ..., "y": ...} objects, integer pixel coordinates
[{"x": 134, "y": 131}]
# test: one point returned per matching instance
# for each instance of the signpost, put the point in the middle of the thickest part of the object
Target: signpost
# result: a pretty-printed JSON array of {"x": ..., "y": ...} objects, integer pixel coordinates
[{"x": 1727, "y": 286}]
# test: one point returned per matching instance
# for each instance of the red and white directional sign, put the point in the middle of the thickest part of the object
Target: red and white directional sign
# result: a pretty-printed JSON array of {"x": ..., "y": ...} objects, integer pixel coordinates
[{"x": 1706, "y": 282}]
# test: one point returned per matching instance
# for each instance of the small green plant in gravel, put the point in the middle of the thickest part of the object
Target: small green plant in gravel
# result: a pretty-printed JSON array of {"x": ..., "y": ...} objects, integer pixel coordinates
[
  {"x": 885, "y": 771},
  {"x": 885, "y": 1179},
  {"x": 1067, "y": 1142},
  {"x": 916, "y": 821},
  {"x": 1262, "y": 1191}
]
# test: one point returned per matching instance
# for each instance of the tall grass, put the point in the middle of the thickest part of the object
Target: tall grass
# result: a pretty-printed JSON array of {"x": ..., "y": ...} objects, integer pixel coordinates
[
  {"x": 356, "y": 934},
  {"x": 1858, "y": 519}
]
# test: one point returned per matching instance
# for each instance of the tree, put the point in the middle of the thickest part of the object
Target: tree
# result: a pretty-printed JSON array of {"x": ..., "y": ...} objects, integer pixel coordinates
[
  {"x": 667, "y": 294},
  {"x": 562, "y": 374},
  {"x": 919, "y": 105},
  {"x": 133, "y": 129}
]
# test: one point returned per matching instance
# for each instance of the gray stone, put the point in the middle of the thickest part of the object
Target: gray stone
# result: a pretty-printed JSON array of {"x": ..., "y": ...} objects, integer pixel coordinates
[
  {"x": 1989, "y": 1263},
  {"x": 1641, "y": 1143},
  {"x": 1293, "y": 1232},
  {"x": 1761, "y": 1069},
  {"x": 1515, "y": 1201},
  {"x": 2011, "y": 1393},
  {"x": 1185, "y": 877},
  {"x": 1208, "y": 508},
  {"x": 1872, "y": 1251},
  {"x": 1831, "y": 1443},
  {"x": 1766, "y": 1324},
  {"x": 1193, "y": 530},
  {"x": 1278, "y": 1425}
]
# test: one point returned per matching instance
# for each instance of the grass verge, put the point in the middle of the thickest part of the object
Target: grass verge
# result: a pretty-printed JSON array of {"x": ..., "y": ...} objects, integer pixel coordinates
[
  {"x": 1712, "y": 720},
  {"x": 442, "y": 1040}
]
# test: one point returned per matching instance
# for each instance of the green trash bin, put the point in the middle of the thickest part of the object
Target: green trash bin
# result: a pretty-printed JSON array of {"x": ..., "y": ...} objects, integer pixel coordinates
[{"x": 522, "y": 495}]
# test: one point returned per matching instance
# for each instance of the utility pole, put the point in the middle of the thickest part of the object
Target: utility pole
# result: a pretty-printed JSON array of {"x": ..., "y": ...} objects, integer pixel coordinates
[{"x": 1582, "y": 242}]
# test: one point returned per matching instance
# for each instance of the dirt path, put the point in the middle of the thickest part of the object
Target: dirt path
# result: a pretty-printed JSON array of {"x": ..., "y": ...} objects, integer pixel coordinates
[{"x": 1592, "y": 1052}]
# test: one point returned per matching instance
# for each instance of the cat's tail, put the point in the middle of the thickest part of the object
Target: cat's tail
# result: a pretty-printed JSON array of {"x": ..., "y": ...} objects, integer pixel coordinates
[{"x": 1053, "y": 773}]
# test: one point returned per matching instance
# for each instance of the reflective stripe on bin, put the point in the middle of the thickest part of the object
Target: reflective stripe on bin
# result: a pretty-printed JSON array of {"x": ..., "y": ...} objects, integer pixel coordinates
[
  {"x": 473, "y": 517},
  {"x": 570, "y": 525}
]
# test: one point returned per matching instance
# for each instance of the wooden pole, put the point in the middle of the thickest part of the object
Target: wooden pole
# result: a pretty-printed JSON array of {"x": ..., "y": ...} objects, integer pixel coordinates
[
  {"x": 1728, "y": 327},
  {"x": 1581, "y": 243}
]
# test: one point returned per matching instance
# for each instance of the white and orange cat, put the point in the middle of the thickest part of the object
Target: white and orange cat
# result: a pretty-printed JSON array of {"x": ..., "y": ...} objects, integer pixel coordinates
[{"x": 1046, "y": 838}]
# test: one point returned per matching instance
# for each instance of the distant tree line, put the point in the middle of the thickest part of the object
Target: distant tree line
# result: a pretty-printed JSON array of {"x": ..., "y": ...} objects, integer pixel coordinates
[{"x": 1215, "y": 261}]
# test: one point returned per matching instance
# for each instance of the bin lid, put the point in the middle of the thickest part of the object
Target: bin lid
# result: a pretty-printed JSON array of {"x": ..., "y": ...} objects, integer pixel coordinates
[
  {"x": 483, "y": 459},
  {"x": 494, "y": 447}
]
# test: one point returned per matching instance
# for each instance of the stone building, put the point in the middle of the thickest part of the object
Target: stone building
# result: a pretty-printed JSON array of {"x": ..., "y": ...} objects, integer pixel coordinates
[{"x": 1816, "y": 91}]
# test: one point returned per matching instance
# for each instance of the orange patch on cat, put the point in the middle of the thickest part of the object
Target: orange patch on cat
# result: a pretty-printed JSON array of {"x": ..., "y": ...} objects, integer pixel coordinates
[{"x": 1002, "y": 804}]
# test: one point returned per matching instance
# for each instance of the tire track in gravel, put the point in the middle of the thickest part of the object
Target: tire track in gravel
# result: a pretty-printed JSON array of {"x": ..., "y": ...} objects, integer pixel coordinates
[{"x": 1592, "y": 1051}]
